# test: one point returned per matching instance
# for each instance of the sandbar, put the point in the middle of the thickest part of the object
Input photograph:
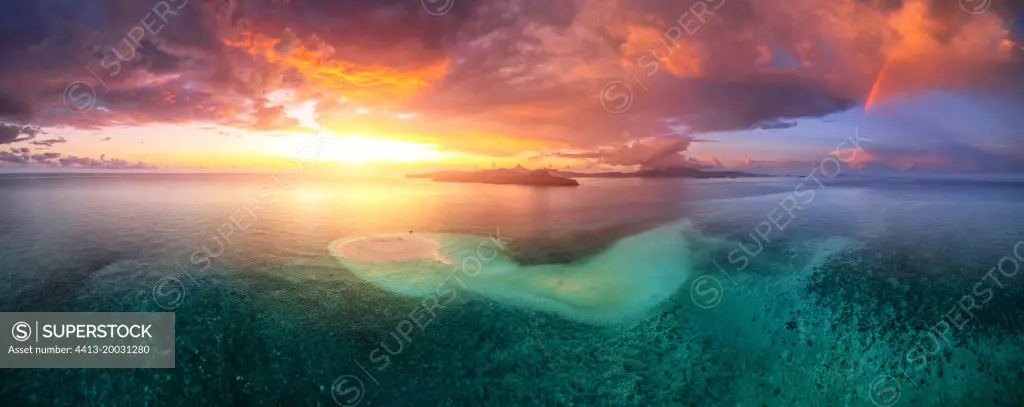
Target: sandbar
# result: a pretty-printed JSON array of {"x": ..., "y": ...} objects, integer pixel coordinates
[{"x": 388, "y": 249}]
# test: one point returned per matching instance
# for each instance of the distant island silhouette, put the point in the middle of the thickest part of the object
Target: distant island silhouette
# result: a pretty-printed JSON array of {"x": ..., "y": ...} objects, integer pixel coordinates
[
  {"x": 522, "y": 176},
  {"x": 513, "y": 176}
]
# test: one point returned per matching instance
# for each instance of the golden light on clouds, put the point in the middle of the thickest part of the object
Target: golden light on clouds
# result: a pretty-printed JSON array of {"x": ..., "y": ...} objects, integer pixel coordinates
[
  {"x": 348, "y": 80},
  {"x": 496, "y": 84}
]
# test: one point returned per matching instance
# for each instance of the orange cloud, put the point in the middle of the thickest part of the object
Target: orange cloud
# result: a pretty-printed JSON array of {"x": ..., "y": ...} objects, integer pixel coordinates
[
  {"x": 323, "y": 70},
  {"x": 647, "y": 48}
]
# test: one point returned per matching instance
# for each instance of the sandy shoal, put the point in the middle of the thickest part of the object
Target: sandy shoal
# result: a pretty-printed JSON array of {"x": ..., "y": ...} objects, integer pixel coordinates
[{"x": 387, "y": 249}]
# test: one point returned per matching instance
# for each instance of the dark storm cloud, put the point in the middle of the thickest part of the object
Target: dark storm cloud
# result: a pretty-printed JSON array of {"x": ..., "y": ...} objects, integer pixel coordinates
[{"x": 758, "y": 102}]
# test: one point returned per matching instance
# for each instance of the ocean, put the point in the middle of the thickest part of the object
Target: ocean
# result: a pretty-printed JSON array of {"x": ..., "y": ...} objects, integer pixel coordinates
[{"x": 777, "y": 291}]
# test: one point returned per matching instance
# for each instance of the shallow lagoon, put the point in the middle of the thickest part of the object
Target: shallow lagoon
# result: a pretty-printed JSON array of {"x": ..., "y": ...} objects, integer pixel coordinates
[{"x": 840, "y": 308}]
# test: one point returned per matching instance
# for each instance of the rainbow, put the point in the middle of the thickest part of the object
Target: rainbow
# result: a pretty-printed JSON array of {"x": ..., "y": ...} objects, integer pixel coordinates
[{"x": 873, "y": 93}]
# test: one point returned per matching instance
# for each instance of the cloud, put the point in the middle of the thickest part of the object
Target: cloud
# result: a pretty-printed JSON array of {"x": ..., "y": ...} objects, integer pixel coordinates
[
  {"x": 22, "y": 156},
  {"x": 271, "y": 117},
  {"x": 45, "y": 157},
  {"x": 103, "y": 162},
  {"x": 6, "y": 156},
  {"x": 495, "y": 78},
  {"x": 14, "y": 133},
  {"x": 12, "y": 109},
  {"x": 651, "y": 153},
  {"x": 775, "y": 124},
  {"x": 49, "y": 142}
]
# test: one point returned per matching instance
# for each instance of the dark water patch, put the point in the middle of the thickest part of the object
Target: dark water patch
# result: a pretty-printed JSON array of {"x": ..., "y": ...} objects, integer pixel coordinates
[{"x": 62, "y": 289}]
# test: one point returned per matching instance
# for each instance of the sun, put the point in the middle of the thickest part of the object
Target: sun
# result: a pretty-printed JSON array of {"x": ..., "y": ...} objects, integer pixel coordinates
[{"x": 357, "y": 149}]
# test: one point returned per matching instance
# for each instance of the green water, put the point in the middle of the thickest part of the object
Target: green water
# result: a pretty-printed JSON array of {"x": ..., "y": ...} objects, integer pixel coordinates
[{"x": 619, "y": 292}]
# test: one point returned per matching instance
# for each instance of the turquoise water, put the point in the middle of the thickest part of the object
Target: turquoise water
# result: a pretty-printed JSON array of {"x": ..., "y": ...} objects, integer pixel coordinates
[{"x": 619, "y": 292}]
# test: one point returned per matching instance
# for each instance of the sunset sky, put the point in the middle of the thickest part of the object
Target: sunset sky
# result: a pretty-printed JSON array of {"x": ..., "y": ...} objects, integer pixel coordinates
[{"x": 761, "y": 85}]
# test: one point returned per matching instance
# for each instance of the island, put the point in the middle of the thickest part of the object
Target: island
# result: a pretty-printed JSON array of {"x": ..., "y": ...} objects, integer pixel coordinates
[
  {"x": 514, "y": 176},
  {"x": 670, "y": 172},
  {"x": 523, "y": 176}
]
